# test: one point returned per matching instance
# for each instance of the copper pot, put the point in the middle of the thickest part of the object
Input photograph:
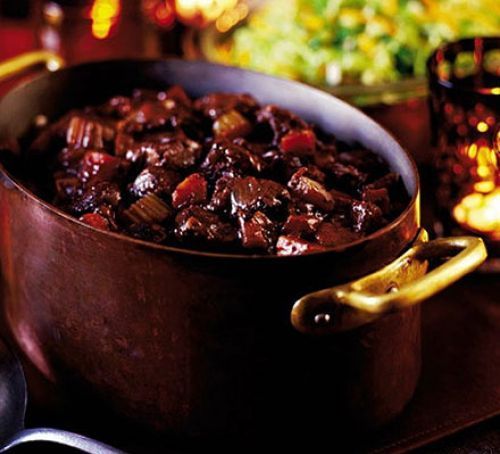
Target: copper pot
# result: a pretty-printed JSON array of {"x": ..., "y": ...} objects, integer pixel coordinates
[{"x": 206, "y": 344}]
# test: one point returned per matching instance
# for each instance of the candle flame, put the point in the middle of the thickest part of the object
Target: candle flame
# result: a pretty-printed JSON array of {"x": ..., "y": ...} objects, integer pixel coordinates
[
  {"x": 479, "y": 210},
  {"x": 104, "y": 14}
]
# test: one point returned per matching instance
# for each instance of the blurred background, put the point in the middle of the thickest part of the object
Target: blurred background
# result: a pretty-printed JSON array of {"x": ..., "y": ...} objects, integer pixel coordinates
[{"x": 370, "y": 52}]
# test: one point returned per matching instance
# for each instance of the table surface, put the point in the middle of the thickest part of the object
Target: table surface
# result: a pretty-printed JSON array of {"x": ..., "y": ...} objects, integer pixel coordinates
[{"x": 409, "y": 123}]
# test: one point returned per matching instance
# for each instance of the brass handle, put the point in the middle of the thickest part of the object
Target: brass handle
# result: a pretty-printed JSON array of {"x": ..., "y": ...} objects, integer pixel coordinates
[
  {"x": 403, "y": 283},
  {"x": 16, "y": 65}
]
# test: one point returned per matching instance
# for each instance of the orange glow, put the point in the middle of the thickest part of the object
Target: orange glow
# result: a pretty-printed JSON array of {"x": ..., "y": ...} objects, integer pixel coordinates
[
  {"x": 482, "y": 126},
  {"x": 479, "y": 210},
  {"x": 206, "y": 11},
  {"x": 231, "y": 17},
  {"x": 104, "y": 14},
  {"x": 164, "y": 14},
  {"x": 160, "y": 12}
]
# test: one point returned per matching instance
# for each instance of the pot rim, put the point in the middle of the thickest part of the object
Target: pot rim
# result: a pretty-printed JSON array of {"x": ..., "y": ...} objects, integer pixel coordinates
[{"x": 208, "y": 254}]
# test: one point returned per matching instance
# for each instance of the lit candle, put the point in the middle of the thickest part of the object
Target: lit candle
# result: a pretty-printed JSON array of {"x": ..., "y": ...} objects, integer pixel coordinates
[{"x": 465, "y": 99}]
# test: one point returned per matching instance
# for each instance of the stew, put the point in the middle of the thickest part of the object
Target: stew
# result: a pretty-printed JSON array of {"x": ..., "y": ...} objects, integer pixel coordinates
[{"x": 220, "y": 173}]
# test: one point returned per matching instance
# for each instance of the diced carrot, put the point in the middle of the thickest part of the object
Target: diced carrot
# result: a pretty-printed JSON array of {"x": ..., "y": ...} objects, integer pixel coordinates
[
  {"x": 191, "y": 190},
  {"x": 302, "y": 142},
  {"x": 95, "y": 220}
]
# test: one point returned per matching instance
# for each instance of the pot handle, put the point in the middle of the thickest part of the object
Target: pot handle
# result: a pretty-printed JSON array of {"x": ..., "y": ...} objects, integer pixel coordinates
[
  {"x": 16, "y": 65},
  {"x": 403, "y": 283}
]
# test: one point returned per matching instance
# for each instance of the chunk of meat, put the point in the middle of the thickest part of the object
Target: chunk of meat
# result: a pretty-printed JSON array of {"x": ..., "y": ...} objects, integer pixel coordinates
[
  {"x": 230, "y": 159},
  {"x": 388, "y": 181},
  {"x": 363, "y": 160},
  {"x": 379, "y": 197},
  {"x": 301, "y": 225},
  {"x": 310, "y": 191},
  {"x": 315, "y": 173},
  {"x": 180, "y": 153},
  {"x": 216, "y": 104},
  {"x": 342, "y": 201},
  {"x": 199, "y": 224},
  {"x": 346, "y": 176},
  {"x": 124, "y": 144},
  {"x": 366, "y": 216},
  {"x": 256, "y": 148},
  {"x": 258, "y": 232},
  {"x": 148, "y": 232},
  {"x": 280, "y": 121},
  {"x": 67, "y": 187},
  {"x": 221, "y": 195},
  {"x": 143, "y": 152},
  {"x": 70, "y": 158},
  {"x": 250, "y": 194},
  {"x": 181, "y": 117},
  {"x": 156, "y": 180},
  {"x": 333, "y": 234},
  {"x": 149, "y": 148},
  {"x": 169, "y": 150},
  {"x": 325, "y": 158},
  {"x": 96, "y": 195},
  {"x": 149, "y": 115},
  {"x": 117, "y": 107}
]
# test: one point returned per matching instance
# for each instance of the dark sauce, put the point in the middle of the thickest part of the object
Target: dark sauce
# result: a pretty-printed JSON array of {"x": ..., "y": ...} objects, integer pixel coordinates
[{"x": 219, "y": 173}]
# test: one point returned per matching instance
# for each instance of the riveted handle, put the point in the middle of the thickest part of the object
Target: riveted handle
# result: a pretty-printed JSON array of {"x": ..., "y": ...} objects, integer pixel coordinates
[{"x": 403, "y": 283}]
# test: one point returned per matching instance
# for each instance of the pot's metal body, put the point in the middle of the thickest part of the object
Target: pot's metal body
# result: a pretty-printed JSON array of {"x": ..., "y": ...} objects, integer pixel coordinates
[{"x": 197, "y": 343}]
